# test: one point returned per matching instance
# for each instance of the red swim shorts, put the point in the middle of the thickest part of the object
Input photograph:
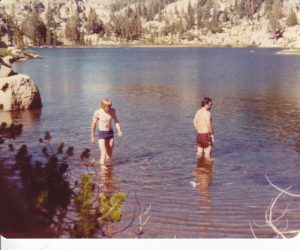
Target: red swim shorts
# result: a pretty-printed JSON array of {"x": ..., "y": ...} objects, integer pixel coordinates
[{"x": 203, "y": 140}]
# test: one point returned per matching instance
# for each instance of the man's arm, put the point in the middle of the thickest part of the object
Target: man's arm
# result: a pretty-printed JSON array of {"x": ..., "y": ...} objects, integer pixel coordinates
[
  {"x": 195, "y": 121},
  {"x": 114, "y": 116},
  {"x": 93, "y": 128},
  {"x": 210, "y": 127}
]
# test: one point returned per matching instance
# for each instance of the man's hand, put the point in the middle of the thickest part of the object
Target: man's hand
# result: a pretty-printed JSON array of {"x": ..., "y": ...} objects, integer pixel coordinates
[
  {"x": 212, "y": 138},
  {"x": 120, "y": 134}
]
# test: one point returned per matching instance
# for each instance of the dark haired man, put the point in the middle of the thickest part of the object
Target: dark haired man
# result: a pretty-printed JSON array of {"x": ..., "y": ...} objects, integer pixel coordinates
[{"x": 203, "y": 125}]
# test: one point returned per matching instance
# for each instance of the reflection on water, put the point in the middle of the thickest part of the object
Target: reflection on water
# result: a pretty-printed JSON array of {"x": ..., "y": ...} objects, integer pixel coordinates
[
  {"x": 111, "y": 201},
  {"x": 6, "y": 117},
  {"x": 27, "y": 117},
  {"x": 108, "y": 186},
  {"x": 107, "y": 189},
  {"x": 203, "y": 174}
]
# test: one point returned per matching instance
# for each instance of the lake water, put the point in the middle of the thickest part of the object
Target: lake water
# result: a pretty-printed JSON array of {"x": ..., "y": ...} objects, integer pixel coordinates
[{"x": 156, "y": 91}]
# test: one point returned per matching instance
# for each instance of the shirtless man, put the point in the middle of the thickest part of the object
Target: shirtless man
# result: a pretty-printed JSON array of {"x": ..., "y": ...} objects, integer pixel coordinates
[
  {"x": 104, "y": 116},
  {"x": 203, "y": 125}
]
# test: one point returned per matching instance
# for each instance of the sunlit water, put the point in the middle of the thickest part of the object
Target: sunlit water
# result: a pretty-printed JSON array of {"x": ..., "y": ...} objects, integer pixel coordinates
[{"x": 156, "y": 91}]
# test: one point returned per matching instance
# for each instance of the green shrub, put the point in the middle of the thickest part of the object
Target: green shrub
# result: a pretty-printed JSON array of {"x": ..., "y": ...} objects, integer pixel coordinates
[
  {"x": 190, "y": 36},
  {"x": 4, "y": 52},
  {"x": 46, "y": 184}
]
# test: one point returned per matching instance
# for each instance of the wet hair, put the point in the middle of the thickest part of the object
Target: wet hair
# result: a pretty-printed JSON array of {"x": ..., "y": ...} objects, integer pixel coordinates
[
  {"x": 205, "y": 101},
  {"x": 106, "y": 103}
]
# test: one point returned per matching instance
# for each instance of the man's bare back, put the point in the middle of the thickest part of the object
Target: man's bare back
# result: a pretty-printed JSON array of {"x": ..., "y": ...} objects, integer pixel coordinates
[
  {"x": 202, "y": 121},
  {"x": 203, "y": 125}
]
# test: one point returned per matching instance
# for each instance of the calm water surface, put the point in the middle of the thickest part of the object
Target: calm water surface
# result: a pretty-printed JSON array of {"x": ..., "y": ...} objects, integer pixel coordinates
[{"x": 156, "y": 91}]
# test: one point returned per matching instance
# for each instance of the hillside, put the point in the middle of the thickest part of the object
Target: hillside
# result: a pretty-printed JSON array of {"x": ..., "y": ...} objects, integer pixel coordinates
[{"x": 262, "y": 23}]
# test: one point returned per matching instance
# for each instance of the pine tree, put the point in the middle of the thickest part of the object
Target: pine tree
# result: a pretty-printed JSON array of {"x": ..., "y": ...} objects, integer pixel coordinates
[
  {"x": 28, "y": 26},
  {"x": 275, "y": 15},
  {"x": 190, "y": 16},
  {"x": 18, "y": 38},
  {"x": 292, "y": 19},
  {"x": 93, "y": 24},
  {"x": 49, "y": 37},
  {"x": 115, "y": 25},
  {"x": 41, "y": 33},
  {"x": 49, "y": 17},
  {"x": 72, "y": 28},
  {"x": 34, "y": 28},
  {"x": 199, "y": 16},
  {"x": 50, "y": 24},
  {"x": 176, "y": 11},
  {"x": 214, "y": 25},
  {"x": 136, "y": 27},
  {"x": 55, "y": 39}
]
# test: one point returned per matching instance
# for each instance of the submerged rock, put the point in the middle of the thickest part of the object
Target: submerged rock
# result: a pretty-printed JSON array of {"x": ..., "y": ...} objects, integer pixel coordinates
[
  {"x": 19, "y": 92},
  {"x": 32, "y": 55}
]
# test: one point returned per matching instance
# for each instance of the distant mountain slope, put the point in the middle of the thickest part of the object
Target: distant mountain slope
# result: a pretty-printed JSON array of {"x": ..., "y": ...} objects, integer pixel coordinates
[{"x": 166, "y": 22}]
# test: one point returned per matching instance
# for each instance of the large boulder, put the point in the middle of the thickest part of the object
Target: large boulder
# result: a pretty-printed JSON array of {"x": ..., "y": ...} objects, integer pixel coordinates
[{"x": 19, "y": 92}]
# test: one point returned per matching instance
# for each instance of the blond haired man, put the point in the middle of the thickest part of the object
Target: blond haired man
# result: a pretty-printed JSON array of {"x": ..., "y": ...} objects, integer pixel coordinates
[
  {"x": 203, "y": 125},
  {"x": 104, "y": 117}
]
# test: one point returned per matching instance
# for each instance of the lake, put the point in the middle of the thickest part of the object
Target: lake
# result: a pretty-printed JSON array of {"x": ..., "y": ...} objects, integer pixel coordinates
[{"x": 156, "y": 92}]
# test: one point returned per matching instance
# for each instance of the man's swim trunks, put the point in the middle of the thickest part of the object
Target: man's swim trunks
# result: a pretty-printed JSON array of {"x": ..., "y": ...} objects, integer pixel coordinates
[
  {"x": 203, "y": 140},
  {"x": 106, "y": 134}
]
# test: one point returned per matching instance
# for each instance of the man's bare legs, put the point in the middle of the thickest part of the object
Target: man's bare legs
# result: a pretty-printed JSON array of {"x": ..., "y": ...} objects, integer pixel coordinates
[
  {"x": 206, "y": 151},
  {"x": 199, "y": 152},
  {"x": 109, "y": 144},
  {"x": 102, "y": 151},
  {"x": 106, "y": 150}
]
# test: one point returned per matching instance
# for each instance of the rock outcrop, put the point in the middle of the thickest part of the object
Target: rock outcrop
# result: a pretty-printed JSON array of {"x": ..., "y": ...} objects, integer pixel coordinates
[
  {"x": 19, "y": 92},
  {"x": 7, "y": 60},
  {"x": 5, "y": 67}
]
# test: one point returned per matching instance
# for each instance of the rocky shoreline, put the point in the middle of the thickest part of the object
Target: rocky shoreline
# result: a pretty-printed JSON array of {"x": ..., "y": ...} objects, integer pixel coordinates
[
  {"x": 130, "y": 45},
  {"x": 289, "y": 52},
  {"x": 188, "y": 44},
  {"x": 17, "y": 91}
]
